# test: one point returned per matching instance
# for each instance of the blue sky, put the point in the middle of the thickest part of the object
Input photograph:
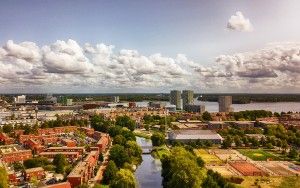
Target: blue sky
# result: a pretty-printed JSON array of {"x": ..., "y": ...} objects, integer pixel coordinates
[{"x": 194, "y": 28}]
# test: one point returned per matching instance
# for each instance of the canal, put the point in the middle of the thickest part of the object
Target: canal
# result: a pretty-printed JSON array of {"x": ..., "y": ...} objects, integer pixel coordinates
[{"x": 148, "y": 173}]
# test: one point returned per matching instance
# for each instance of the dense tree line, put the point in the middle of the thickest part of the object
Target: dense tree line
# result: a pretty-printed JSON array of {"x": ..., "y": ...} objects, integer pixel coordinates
[
  {"x": 181, "y": 170},
  {"x": 251, "y": 115},
  {"x": 61, "y": 123},
  {"x": 124, "y": 153},
  {"x": 248, "y": 98},
  {"x": 158, "y": 120},
  {"x": 215, "y": 180},
  {"x": 158, "y": 139},
  {"x": 99, "y": 123}
]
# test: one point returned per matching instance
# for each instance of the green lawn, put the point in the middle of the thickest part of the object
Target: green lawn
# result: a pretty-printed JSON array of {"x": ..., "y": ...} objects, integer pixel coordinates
[{"x": 258, "y": 154}]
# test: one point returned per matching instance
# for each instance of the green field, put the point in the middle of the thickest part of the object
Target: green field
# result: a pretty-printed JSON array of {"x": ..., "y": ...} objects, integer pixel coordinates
[
  {"x": 207, "y": 158},
  {"x": 270, "y": 182},
  {"x": 258, "y": 154}
]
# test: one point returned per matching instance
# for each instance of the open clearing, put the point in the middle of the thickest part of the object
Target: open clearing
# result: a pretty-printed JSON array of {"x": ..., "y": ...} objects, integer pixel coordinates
[
  {"x": 209, "y": 159},
  {"x": 258, "y": 154},
  {"x": 227, "y": 154},
  {"x": 224, "y": 170}
]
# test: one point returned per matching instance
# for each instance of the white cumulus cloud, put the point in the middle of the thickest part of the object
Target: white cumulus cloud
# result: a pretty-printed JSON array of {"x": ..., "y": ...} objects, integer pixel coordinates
[
  {"x": 67, "y": 64},
  {"x": 238, "y": 22}
]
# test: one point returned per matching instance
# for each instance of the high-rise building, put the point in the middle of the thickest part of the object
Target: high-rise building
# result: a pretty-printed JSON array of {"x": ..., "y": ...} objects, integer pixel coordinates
[
  {"x": 175, "y": 98},
  {"x": 69, "y": 102},
  {"x": 20, "y": 99},
  {"x": 225, "y": 103},
  {"x": 187, "y": 98},
  {"x": 116, "y": 99}
]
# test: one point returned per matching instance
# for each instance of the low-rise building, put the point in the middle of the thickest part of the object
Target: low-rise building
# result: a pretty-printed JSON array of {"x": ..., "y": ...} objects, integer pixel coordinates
[
  {"x": 186, "y": 136},
  {"x": 84, "y": 170},
  {"x": 68, "y": 142},
  {"x": 38, "y": 173},
  {"x": 216, "y": 125},
  {"x": 70, "y": 155},
  {"x": 59, "y": 185},
  {"x": 5, "y": 139},
  {"x": 194, "y": 108},
  {"x": 79, "y": 150},
  {"x": 12, "y": 153}
]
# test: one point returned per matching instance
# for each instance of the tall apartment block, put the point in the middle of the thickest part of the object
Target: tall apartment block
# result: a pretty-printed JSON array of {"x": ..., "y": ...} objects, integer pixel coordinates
[
  {"x": 225, "y": 103},
  {"x": 187, "y": 98},
  {"x": 175, "y": 98}
]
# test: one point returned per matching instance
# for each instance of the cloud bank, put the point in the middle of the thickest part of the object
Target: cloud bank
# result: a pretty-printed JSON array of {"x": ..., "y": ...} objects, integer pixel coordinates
[
  {"x": 67, "y": 64},
  {"x": 238, "y": 22}
]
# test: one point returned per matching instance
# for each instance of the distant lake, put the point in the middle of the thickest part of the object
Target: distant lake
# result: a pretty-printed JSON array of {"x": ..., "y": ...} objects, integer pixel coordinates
[{"x": 270, "y": 106}]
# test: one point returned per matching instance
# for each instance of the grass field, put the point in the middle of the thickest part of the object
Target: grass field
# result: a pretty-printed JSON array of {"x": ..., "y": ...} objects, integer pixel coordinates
[
  {"x": 270, "y": 182},
  {"x": 207, "y": 158},
  {"x": 258, "y": 154}
]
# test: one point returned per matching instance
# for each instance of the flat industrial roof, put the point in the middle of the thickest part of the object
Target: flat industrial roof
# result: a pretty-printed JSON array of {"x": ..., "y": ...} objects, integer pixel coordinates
[{"x": 194, "y": 134}]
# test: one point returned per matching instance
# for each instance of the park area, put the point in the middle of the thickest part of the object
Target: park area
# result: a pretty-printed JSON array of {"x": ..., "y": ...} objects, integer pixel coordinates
[
  {"x": 258, "y": 154},
  {"x": 209, "y": 159},
  {"x": 270, "y": 182}
]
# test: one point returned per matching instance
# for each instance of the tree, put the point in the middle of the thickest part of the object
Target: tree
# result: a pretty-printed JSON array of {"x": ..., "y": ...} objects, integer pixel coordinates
[
  {"x": 147, "y": 127},
  {"x": 36, "y": 162},
  {"x": 18, "y": 166},
  {"x": 124, "y": 178},
  {"x": 200, "y": 162},
  {"x": 119, "y": 139},
  {"x": 7, "y": 128},
  {"x": 101, "y": 157},
  {"x": 100, "y": 124},
  {"x": 158, "y": 139},
  {"x": 181, "y": 169},
  {"x": 134, "y": 151},
  {"x": 97, "y": 186},
  {"x": 206, "y": 116},
  {"x": 59, "y": 162},
  {"x": 119, "y": 155},
  {"x": 209, "y": 182},
  {"x": 227, "y": 142},
  {"x": 293, "y": 153},
  {"x": 125, "y": 121},
  {"x": 110, "y": 172},
  {"x": 237, "y": 141},
  {"x": 3, "y": 178}
]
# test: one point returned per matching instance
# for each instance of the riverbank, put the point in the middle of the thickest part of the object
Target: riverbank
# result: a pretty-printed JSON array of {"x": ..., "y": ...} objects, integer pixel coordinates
[{"x": 148, "y": 173}]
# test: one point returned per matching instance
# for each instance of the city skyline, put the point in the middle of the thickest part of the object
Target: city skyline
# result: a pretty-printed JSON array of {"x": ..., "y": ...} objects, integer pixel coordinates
[{"x": 146, "y": 46}]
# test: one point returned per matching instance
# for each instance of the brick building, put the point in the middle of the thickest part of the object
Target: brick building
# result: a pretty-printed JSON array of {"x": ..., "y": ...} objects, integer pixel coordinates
[
  {"x": 15, "y": 155},
  {"x": 80, "y": 150},
  {"x": 38, "y": 173},
  {"x": 68, "y": 142},
  {"x": 59, "y": 185},
  {"x": 70, "y": 155},
  {"x": 84, "y": 170},
  {"x": 6, "y": 139}
]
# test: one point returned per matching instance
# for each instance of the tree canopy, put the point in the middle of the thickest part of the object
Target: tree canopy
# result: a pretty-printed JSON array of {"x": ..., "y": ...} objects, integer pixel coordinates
[
  {"x": 110, "y": 172},
  {"x": 124, "y": 178},
  {"x": 158, "y": 139},
  {"x": 125, "y": 121},
  {"x": 3, "y": 178},
  {"x": 181, "y": 170}
]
